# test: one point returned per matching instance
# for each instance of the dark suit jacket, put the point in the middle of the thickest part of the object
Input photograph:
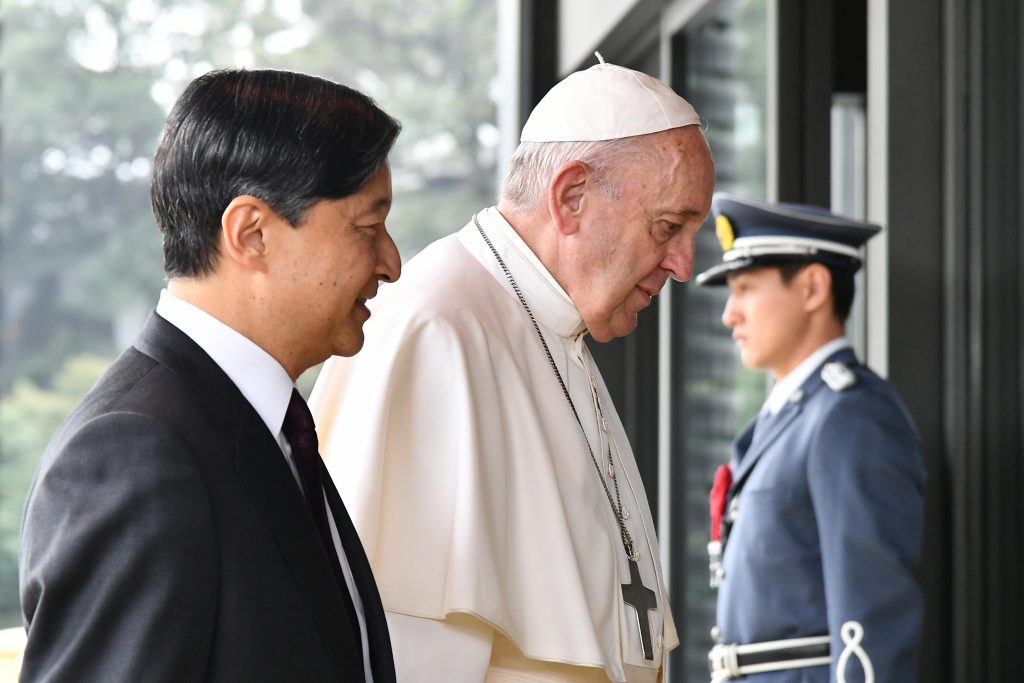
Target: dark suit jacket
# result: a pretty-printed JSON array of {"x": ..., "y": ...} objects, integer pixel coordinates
[{"x": 165, "y": 539}]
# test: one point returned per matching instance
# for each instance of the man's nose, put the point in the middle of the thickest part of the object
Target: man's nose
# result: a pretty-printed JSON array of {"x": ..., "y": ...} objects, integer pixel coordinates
[{"x": 389, "y": 261}]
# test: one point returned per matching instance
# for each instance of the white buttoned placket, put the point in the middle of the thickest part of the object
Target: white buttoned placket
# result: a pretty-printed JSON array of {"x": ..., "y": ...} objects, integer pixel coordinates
[
  {"x": 616, "y": 474},
  {"x": 604, "y": 444},
  {"x": 558, "y": 324}
]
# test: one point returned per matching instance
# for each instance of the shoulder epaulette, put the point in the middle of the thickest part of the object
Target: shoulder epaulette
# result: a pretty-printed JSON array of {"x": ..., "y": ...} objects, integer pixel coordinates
[{"x": 838, "y": 376}]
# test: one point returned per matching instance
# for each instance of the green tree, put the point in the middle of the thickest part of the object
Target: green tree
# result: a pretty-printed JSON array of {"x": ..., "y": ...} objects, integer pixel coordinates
[
  {"x": 28, "y": 417},
  {"x": 87, "y": 84}
]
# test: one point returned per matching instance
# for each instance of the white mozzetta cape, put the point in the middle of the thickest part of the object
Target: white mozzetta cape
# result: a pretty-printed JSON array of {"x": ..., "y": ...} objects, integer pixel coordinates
[{"x": 465, "y": 471}]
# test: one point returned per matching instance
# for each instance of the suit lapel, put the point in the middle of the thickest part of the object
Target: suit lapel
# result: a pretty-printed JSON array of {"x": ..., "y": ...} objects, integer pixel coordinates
[
  {"x": 265, "y": 475},
  {"x": 381, "y": 658},
  {"x": 263, "y": 470}
]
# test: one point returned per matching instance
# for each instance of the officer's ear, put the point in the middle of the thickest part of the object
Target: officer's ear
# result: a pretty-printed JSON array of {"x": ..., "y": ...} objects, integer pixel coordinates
[{"x": 816, "y": 286}]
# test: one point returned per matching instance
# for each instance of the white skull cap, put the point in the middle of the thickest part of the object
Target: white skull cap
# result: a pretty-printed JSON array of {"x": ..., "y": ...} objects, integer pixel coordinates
[{"x": 606, "y": 102}]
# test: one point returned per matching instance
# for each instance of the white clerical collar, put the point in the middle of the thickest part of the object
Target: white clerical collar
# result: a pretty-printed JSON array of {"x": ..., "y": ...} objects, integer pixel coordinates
[
  {"x": 548, "y": 301},
  {"x": 787, "y": 386},
  {"x": 262, "y": 380}
]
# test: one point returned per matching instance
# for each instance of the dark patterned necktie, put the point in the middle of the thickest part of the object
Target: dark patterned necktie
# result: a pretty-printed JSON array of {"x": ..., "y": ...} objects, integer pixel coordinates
[{"x": 300, "y": 431}]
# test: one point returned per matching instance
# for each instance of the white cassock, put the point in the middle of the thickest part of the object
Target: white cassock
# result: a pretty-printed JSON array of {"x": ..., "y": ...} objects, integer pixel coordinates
[{"x": 470, "y": 482}]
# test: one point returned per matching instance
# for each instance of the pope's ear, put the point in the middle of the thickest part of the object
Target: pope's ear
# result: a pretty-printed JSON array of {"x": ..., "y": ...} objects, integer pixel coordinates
[
  {"x": 242, "y": 232},
  {"x": 567, "y": 195}
]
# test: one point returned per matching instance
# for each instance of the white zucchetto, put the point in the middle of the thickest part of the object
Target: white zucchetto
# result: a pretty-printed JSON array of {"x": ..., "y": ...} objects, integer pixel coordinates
[{"x": 606, "y": 102}]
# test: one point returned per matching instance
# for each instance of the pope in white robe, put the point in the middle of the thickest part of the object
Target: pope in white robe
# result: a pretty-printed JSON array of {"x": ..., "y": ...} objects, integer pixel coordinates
[{"x": 473, "y": 439}]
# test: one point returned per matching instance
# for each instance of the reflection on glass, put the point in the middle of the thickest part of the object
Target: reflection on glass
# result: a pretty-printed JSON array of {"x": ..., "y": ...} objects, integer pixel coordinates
[{"x": 726, "y": 79}]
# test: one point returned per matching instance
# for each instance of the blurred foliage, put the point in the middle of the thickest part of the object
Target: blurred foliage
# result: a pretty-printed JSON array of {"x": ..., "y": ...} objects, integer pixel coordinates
[
  {"x": 86, "y": 87},
  {"x": 29, "y": 415}
]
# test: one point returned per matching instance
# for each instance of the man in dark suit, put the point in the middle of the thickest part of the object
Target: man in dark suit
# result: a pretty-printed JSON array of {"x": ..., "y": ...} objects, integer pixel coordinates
[
  {"x": 820, "y": 509},
  {"x": 181, "y": 526}
]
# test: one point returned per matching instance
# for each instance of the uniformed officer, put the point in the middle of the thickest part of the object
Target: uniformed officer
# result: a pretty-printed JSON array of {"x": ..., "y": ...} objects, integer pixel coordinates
[{"x": 819, "y": 512}]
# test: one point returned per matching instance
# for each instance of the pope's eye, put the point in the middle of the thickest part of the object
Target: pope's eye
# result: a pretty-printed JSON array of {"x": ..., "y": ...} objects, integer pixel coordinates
[{"x": 667, "y": 230}]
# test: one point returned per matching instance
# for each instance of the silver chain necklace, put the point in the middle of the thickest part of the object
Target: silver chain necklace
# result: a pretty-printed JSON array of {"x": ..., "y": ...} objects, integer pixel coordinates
[
  {"x": 635, "y": 594},
  {"x": 616, "y": 504}
]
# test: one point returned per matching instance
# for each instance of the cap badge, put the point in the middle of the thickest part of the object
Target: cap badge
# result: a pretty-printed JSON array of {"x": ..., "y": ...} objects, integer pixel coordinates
[
  {"x": 837, "y": 376},
  {"x": 723, "y": 228}
]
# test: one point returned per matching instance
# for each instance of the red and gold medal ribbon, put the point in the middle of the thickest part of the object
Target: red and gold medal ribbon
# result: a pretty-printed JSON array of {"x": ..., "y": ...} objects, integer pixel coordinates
[{"x": 719, "y": 493}]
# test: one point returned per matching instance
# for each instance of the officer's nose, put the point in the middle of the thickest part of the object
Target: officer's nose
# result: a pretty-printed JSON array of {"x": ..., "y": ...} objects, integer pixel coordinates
[{"x": 730, "y": 315}]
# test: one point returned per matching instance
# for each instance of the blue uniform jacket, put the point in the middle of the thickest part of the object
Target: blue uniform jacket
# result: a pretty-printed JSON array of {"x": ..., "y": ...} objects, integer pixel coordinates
[{"x": 827, "y": 511}]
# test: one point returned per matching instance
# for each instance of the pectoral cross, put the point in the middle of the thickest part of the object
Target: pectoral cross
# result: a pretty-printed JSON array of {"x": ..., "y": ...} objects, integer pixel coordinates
[{"x": 642, "y": 600}]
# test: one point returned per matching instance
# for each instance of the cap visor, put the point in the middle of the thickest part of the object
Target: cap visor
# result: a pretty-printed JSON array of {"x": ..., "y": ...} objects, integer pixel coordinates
[{"x": 716, "y": 275}]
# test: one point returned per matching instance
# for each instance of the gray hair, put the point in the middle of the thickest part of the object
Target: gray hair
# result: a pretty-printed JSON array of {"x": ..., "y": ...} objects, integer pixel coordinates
[{"x": 534, "y": 163}]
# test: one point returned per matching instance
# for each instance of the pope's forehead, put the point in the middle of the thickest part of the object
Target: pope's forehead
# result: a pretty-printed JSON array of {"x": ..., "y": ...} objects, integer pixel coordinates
[
  {"x": 676, "y": 147},
  {"x": 687, "y": 141},
  {"x": 682, "y": 155}
]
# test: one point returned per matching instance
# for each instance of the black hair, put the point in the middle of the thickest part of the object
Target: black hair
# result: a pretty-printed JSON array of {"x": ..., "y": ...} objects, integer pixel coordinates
[
  {"x": 842, "y": 283},
  {"x": 287, "y": 138}
]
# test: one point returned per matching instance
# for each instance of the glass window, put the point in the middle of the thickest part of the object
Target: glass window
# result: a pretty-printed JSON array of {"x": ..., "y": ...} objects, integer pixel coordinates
[
  {"x": 87, "y": 85},
  {"x": 725, "y": 78}
]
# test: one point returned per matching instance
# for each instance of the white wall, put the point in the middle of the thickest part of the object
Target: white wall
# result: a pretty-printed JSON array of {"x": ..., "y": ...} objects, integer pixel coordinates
[{"x": 582, "y": 24}]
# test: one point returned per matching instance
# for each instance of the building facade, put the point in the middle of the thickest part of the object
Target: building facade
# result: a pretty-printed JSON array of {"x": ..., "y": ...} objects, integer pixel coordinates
[{"x": 906, "y": 113}]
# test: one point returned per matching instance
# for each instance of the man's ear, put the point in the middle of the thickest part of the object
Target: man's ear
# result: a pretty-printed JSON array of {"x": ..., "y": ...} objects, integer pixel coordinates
[
  {"x": 567, "y": 194},
  {"x": 242, "y": 232},
  {"x": 817, "y": 283}
]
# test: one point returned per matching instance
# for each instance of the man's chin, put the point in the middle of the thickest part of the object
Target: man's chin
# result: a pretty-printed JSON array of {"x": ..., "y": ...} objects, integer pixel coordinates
[
  {"x": 351, "y": 346},
  {"x": 751, "y": 362}
]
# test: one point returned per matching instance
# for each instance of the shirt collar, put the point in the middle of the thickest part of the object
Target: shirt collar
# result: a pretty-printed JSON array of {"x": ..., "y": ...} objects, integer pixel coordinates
[
  {"x": 787, "y": 386},
  {"x": 547, "y": 300},
  {"x": 262, "y": 380}
]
